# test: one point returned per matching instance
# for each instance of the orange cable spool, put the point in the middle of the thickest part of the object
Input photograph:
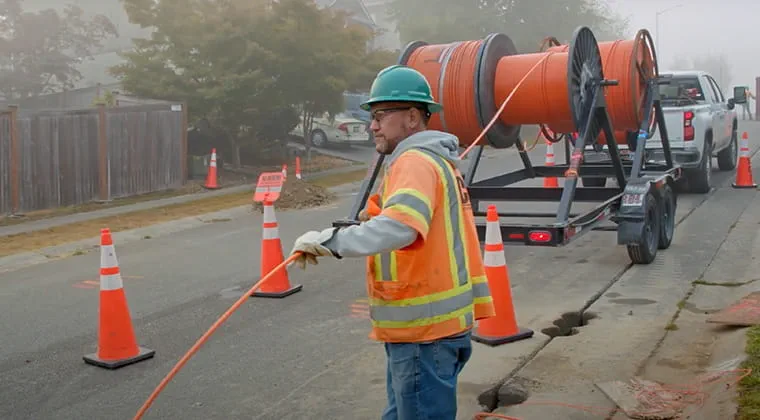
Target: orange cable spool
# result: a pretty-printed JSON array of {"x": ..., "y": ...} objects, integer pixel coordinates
[
  {"x": 461, "y": 77},
  {"x": 559, "y": 94},
  {"x": 633, "y": 63}
]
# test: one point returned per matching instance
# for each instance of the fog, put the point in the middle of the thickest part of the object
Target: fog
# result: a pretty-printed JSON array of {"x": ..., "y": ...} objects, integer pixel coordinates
[{"x": 696, "y": 28}]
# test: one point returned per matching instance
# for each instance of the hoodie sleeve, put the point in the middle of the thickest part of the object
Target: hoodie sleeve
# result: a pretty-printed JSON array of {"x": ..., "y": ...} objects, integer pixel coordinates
[{"x": 410, "y": 194}]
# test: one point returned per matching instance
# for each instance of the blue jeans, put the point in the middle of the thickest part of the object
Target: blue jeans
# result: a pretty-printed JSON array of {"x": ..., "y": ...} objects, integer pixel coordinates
[{"x": 422, "y": 378}]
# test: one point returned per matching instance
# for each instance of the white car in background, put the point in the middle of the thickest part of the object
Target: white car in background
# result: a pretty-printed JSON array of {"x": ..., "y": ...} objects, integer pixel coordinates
[{"x": 343, "y": 129}]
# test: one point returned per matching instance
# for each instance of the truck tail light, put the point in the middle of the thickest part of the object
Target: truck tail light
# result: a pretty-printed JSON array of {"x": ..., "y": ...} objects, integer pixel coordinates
[{"x": 688, "y": 127}]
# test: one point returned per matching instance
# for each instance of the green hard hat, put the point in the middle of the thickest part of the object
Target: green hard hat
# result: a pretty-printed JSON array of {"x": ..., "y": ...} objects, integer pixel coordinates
[{"x": 401, "y": 84}]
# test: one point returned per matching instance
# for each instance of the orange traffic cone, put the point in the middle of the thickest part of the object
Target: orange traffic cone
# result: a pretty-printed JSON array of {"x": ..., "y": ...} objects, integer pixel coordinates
[
  {"x": 117, "y": 345},
  {"x": 298, "y": 167},
  {"x": 744, "y": 171},
  {"x": 278, "y": 286},
  {"x": 211, "y": 183},
  {"x": 284, "y": 171},
  {"x": 501, "y": 328},
  {"x": 550, "y": 181}
]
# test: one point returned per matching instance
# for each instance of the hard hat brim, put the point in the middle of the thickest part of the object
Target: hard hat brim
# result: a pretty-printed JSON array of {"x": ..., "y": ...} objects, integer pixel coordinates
[{"x": 432, "y": 106}]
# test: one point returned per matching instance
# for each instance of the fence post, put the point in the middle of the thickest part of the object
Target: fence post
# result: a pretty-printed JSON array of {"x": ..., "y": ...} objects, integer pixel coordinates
[
  {"x": 184, "y": 143},
  {"x": 103, "y": 190},
  {"x": 15, "y": 162}
]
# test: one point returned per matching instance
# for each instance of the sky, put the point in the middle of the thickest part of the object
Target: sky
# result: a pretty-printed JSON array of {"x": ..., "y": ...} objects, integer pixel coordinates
[{"x": 692, "y": 28}]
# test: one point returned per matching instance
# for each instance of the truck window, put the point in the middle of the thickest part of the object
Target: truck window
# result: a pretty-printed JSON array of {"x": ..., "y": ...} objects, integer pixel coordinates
[
  {"x": 711, "y": 90},
  {"x": 679, "y": 86},
  {"x": 717, "y": 89}
]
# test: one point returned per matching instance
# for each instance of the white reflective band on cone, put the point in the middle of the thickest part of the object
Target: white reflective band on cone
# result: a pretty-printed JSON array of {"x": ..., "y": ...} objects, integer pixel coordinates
[
  {"x": 269, "y": 216},
  {"x": 108, "y": 257},
  {"x": 111, "y": 282}
]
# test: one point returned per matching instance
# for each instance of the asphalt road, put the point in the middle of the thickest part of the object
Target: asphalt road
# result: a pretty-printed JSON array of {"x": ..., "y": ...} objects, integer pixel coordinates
[{"x": 305, "y": 356}]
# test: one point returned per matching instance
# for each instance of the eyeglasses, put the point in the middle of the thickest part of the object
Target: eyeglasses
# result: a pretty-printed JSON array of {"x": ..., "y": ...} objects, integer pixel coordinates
[{"x": 379, "y": 114}]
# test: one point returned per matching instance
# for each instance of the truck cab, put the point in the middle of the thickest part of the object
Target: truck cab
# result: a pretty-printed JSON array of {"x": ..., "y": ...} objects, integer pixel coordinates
[{"x": 701, "y": 124}]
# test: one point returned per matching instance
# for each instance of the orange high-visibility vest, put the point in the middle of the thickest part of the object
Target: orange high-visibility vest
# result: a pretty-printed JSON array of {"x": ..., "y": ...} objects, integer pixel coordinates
[{"x": 435, "y": 287}]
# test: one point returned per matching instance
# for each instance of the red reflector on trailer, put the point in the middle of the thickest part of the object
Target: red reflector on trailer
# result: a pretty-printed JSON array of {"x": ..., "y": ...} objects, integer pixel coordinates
[
  {"x": 516, "y": 236},
  {"x": 540, "y": 236}
]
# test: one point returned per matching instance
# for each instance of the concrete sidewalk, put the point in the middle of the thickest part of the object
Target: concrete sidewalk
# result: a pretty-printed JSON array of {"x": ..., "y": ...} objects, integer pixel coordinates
[{"x": 47, "y": 223}]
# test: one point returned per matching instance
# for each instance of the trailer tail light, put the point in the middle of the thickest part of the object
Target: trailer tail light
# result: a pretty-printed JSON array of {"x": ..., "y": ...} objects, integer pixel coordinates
[
  {"x": 542, "y": 236},
  {"x": 688, "y": 126}
]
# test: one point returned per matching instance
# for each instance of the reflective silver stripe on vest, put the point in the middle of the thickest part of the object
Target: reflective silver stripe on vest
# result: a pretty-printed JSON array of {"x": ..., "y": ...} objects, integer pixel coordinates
[
  {"x": 383, "y": 260},
  {"x": 480, "y": 290},
  {"x": 452, "y": 192},
  {"x": 421, "y": 311},
  {"x": 468, "y": 319},
  {"x": 413, "y": 203}
]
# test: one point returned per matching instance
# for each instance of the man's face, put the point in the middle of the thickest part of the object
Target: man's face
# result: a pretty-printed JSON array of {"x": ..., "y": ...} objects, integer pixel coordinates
[{"x": 392, "y": 122}]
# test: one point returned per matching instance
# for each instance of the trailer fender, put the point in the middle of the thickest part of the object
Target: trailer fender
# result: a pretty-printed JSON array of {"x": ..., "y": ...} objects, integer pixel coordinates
[{"x": 631, "y": 214}]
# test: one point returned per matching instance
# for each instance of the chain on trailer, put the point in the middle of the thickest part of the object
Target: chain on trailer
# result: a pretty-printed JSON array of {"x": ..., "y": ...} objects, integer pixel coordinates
[{"x": 563, "y": 90}]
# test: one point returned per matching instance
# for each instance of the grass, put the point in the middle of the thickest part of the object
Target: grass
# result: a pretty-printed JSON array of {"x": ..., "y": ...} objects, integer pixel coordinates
[
  {"x": 333, "y": 180},
  {"x": 83, "y": 208},
  {"x": 58, "y": 235},
  {"x": 749, "y": 387}
]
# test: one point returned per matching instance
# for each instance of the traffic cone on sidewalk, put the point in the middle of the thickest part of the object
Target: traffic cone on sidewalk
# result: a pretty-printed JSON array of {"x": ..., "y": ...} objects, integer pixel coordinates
[
  {"x": 298, "y": 167},
  {"x": 744, "y": 169},
  {"x": 117, "y": 346},
  {"x": 549, "y": 181},
  {"x": 211, "y": 182},
  {"x": 501, "y": 328},
  {"x": 285, "y": 171},
  {"x": 278, "y": 286}
]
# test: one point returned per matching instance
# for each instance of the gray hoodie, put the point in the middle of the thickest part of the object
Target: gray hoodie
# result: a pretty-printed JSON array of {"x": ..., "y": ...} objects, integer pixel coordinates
[{"x": 381, "y": 233}]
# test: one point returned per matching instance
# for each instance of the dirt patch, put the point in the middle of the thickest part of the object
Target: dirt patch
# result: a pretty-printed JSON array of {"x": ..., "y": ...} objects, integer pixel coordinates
[
  {"x": 699, "y": 364},
  {"x": 299, "y": 194}
]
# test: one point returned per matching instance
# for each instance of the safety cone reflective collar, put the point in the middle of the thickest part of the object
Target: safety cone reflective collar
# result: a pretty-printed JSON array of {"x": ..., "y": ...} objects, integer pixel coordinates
[
  {"x": 501, "y": 328},
  {"x": 278, "y": 286},
  {"x": 550, "y": 181},
  {"x": 117, "y": 346},
  {"x": 744, "y": 169},
  {"x": 211, "y": 182}
]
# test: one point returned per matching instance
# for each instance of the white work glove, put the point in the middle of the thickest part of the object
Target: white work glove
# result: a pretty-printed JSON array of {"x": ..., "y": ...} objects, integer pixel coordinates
[{"x": 310, "y": 246}]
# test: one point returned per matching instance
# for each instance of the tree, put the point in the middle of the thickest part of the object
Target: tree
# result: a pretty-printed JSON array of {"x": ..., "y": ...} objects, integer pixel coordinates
[
  {"x": 215, "y": 55},
  {"x": 372, "y": 63},
  {"x": 321, "y": 54},
  {"x": 39, "y": 51},
  {"x": 527, "y": 22}
]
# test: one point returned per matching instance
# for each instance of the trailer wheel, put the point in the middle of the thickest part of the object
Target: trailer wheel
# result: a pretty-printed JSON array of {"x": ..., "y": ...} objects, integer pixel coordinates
[
  {"x": 667, "y": 216},
  {"x": 645, "y": 251}
]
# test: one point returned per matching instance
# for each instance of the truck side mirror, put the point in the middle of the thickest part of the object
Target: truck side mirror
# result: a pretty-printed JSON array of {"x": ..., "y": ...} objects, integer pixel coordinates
[
  {"x": 731, "y": 103},
  {"x": 740, "y": 95}
]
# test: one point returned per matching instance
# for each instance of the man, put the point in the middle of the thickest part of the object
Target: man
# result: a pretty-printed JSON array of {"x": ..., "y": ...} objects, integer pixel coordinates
[
  {"x": 425, "y": 276},
  {"x": 745, "y": 105}
]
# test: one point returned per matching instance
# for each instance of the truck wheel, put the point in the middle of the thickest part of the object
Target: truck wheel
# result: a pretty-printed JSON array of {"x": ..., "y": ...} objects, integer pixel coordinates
[
  {"x": 699, "y": 178},
  {"x": 645, "y": 251},
  {"x": 727, "y": 157},
  {"x": 667, "y": 216}
]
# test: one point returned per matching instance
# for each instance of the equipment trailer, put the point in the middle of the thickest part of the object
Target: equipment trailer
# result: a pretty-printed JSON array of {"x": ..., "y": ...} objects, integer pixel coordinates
[{"x": 642, "y": 204}]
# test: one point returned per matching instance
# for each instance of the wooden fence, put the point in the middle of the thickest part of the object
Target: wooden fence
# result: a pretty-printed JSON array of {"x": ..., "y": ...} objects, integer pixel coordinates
[{"x": 61, "y": 158}]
